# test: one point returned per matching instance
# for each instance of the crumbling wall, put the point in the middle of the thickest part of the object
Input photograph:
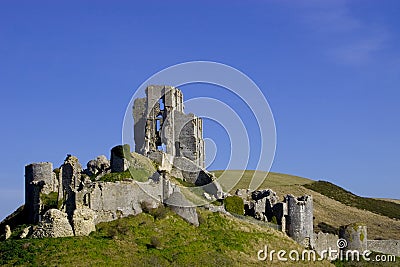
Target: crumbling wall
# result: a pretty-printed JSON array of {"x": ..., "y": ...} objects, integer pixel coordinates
[
  {"x": 161, "y": 124},
  {"x": 113, "y": 200},
  {"x": 70, "y": 180},
  {"x": 356, "y": 236},
  {"x": 325, "y": 241},
  {"x": 391, "y": 247}
]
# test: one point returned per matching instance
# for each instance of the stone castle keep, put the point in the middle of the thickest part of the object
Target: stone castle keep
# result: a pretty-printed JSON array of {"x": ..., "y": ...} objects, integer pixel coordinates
[
  {"x": 161, "y": 124},
  {"x": 169, "y": 151}
]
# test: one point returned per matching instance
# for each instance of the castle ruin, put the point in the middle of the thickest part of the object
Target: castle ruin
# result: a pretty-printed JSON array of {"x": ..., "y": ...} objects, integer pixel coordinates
[
  {"x": 162, "y": 125},
  {"x": 71, "y": 200}
]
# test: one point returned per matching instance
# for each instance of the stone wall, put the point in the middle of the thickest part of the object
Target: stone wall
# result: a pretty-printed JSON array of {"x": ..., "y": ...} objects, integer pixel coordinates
[
  {"x": 391, "y": 247},
  {"x": 324, "y": 241},
  {"x": 113, "y": 200},
  {"x": 356, "y": 236},
  {"x": 70, "y": 180}
]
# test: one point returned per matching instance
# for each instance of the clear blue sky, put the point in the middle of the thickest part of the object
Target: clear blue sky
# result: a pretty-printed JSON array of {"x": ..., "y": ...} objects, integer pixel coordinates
[{"x": 329, "y": 69}]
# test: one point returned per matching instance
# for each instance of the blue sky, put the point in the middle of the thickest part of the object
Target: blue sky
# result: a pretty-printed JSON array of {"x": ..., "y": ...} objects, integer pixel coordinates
[{"x": 329, "y": 69}]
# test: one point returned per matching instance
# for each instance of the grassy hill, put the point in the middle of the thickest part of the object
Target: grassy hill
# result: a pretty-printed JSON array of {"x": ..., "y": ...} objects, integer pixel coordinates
[
  {"x": 328, "y": 211},
  {"x": 160, "y": 239}
]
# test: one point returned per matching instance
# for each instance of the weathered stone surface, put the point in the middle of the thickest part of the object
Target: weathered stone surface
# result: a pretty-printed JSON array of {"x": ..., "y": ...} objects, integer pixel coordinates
[
  {"x": 324, "y": 242},
  {"x": 97, "y": 166},
  {"x": 184, "y": 208},
  {"x": 39, "y": 179},
  {"x": 163, "y": 160},
  {"x": 70, "y": 180},
  {"x": 356, "y": 236},
  {"x": 243, "y": 193},
  {"x": 300, "y": 219},
  {"x": 83, "y": 221},
  {"x": 7, "y": 232},
  {"x": 26, "y": 232},
  {"x": 119, "y": 158},
  {"x": 215, "y": 208},
  {"x": 161, "y": 124},
  {"x": 54, "y": 224},
  {"x": 259, "y": 203},
  {"x": 112, "y": 200},
  {"x": 391, "y": 247},
  {"x": 191, "y": 172}
]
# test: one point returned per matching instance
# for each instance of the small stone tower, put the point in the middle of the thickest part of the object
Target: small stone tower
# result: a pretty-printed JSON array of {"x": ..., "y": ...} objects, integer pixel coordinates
[
  {"x": 299, "y": 222},
  {"x": 356, "y": 236},
  {"x": 39, "y": 179}
]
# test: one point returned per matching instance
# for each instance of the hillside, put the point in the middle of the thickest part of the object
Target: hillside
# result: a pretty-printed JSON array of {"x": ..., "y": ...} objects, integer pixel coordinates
[
  {"x": 157, "y": 239},
  {"x": 327, "y": 210}
]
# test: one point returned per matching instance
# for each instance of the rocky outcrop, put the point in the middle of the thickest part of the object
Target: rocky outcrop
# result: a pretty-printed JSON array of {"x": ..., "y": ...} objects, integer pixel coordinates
[
  {"x": 83, "y": 221},
  {"x": 97, "y": 166},
  {"x": 26, "y": 232},
  {"x": 54, "y": 224},
  {"x": 7, "y": 232}
]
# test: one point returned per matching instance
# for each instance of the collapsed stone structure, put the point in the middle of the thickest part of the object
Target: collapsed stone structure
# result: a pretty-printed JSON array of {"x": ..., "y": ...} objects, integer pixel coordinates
[
  {"x": 70, "y": 201},
  {"x": 165, "y": 134},
  {"x": 294, "y": 215},
  {"x": 161, "y": 124}
]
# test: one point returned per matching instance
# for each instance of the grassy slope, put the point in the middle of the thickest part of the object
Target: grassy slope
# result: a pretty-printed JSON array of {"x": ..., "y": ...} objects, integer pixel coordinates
[
  {"x": 144, "y": 241},
  {"x": 382, "y": 207},
  {"x": 326, "y": 209}
]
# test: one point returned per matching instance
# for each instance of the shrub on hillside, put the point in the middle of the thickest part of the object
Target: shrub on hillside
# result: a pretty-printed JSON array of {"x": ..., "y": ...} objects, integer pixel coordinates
[{"x": 234, "y": 204}]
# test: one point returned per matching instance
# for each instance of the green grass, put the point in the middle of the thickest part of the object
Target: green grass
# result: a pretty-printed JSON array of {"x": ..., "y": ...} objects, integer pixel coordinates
[
  {"x": 140, "y": 175},
  {"x": 143, "y": 240},
  {"x": 234, "y": 204},
  {"x": 49, "y": 201},
  {"x": 231, "y": 180},
  {"x": 382, "y": 207}
]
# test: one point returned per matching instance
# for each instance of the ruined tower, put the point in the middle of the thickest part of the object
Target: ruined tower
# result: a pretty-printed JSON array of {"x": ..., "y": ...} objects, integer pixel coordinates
[
  {"x": 160, "y": 124},
  {"x": 299, "y": 222},
  {"x": 356, "y": 236},
  {"x": 39, "y": 179}
]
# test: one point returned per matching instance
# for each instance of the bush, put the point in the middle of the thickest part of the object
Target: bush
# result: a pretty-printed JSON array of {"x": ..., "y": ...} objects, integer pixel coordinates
[
  {"x": 154, "y": 242},
  {"x": 382, "y": 207},
  {"x": 115, "y": 176},
  {"x": 49, "y": 201},
  {"x": 158, "y": 213},
  {"x": 234, "y": 204}
]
